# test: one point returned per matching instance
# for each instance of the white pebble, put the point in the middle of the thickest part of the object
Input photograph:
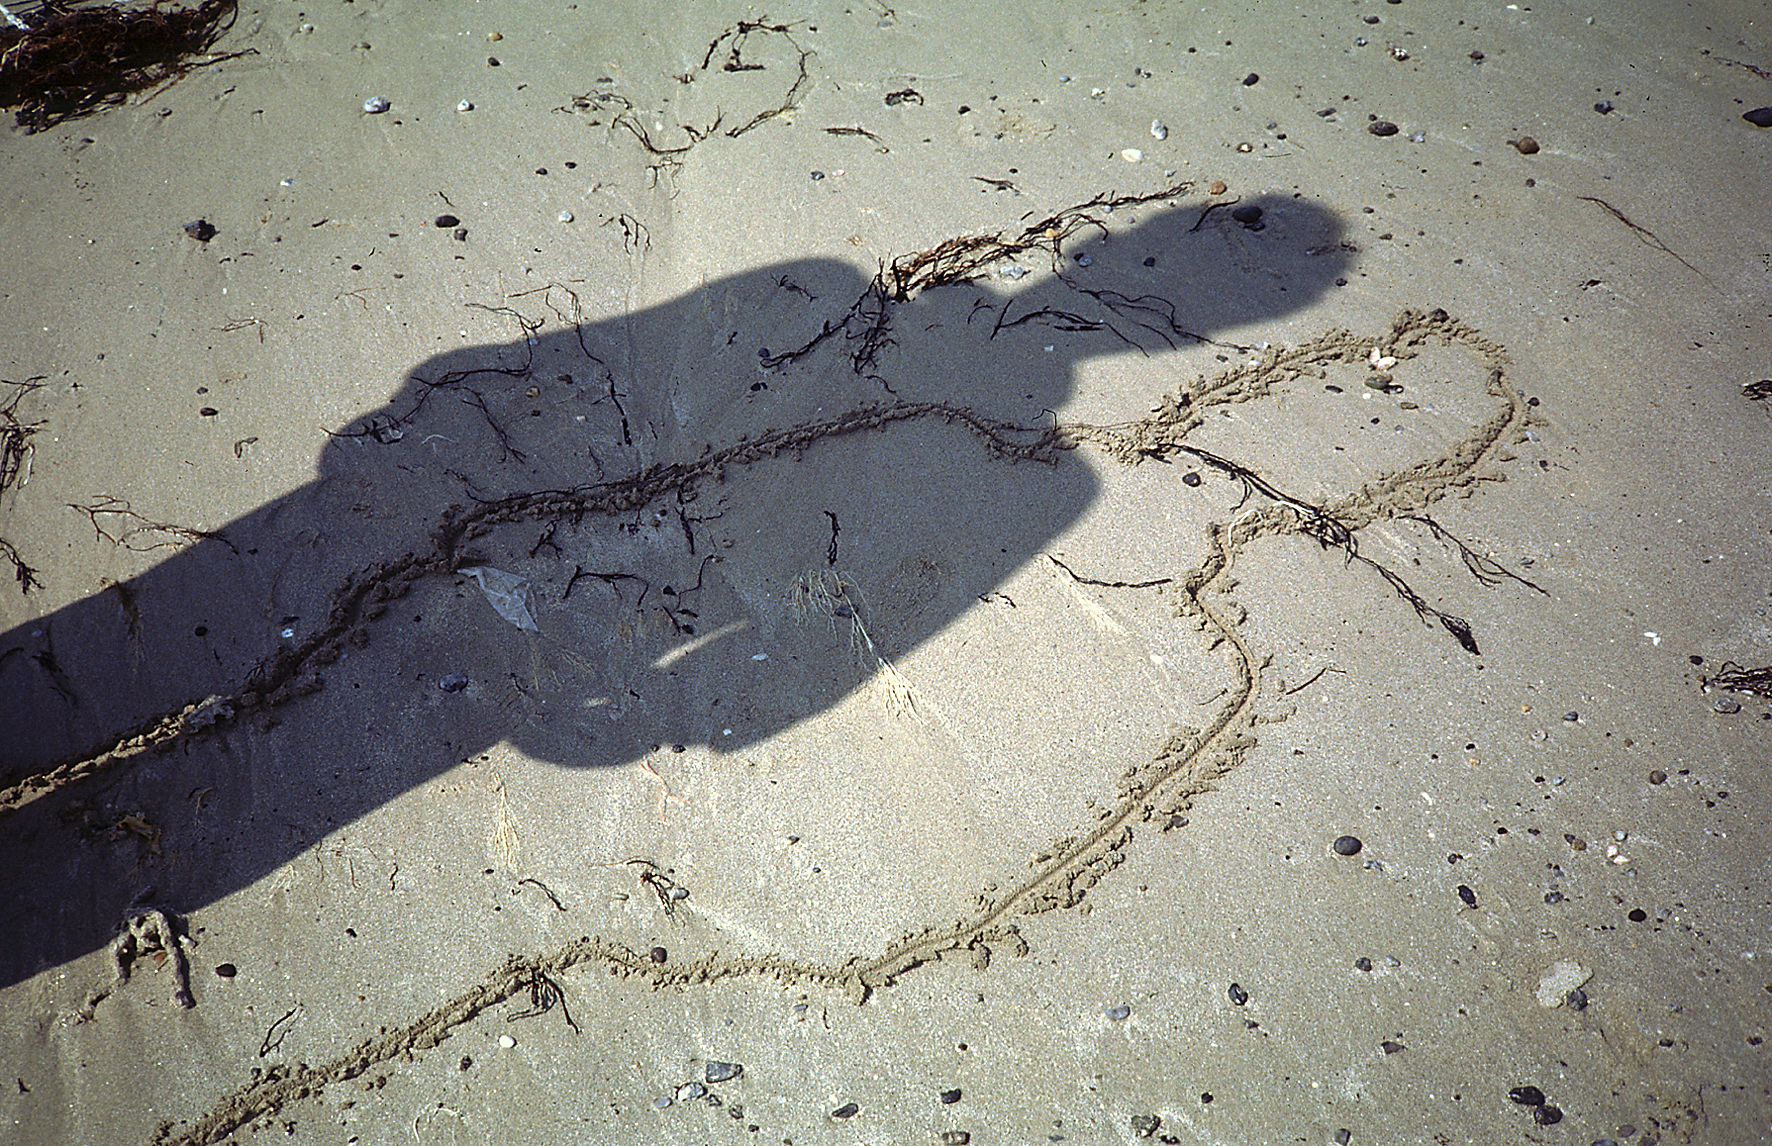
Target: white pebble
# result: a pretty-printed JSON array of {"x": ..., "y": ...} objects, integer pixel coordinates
[
  {"x": 465, "y": 105},
  {"x": 565, "y": 216},
  {"x": 506, "y": 1041},
  {"x": 1159, "y": 129},
  {"x": 375, "y": 105},
  {"x": 1132, "y": 155}
]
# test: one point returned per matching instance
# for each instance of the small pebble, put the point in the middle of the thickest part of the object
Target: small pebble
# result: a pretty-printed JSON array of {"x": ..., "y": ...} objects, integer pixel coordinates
[
  {"x": 1251, "y": 80},
  {"x": 723, "y": 1071},
  {"x": 1012, "y": 272},
  {"x": 1466, "y": 894},
  {"x": 1547, "y": 1115},
  {"x": 1525, "y": 145},
  {"x": 847, "y": 1110},
  {"x": 202, "y": 230},
  {"x": 447, "y": 221},
  {"x": 949, "y": 1097},
  {"x": 1132, "y": 155},
  {"x": 506, "y": 1041},
  {"x": 1362, "y": 964},
  {"x": 1382, "y": 127},
  {"x": 1119, "y": 1012},
  {"x": 1191, "y": 479},
  {"x": 1759, "y": 117},
  {"x": 1342, "y": 1137},
  {"x": 690, "y": 1091},
  {"x": 1604, "y": 107},
  {"x": 659, "y": 954},
  {"x": 1571, "y": 717},
  {"x": 465, "y": 105},
  {"x": 955, "y": 1137},
  {"x": 454, "y": 682},
  {"x": 661, "y": 1102},
  {"x": 1657, "y": 776},
  {"x": 564, "y": 216},
  {"x": 375, "y": 105},
  {"x": 678, "y": 893},
  {"x": 1347, "y": 845},
  {"x": 1526, "y": 1095},
  {"x": 1725, "y": 705},
  {"x": 1145, "y": 1125},
  {"x": 1238, "y": 995},
  {"x": 494, "y": 37},
  {"x": 1249, "y": 214},
  {"x": 1084, "y": 260},
  {"x": 227, "y": 970},
  {"x": 1159, "y": 129}
]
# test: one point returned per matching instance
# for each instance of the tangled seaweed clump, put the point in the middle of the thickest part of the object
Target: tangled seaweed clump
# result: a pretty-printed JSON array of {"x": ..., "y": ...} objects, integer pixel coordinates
[{"x": 61, "y": 61}]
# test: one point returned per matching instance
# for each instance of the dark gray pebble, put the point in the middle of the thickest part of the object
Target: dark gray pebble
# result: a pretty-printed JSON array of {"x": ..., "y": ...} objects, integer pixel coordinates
[
  {"x": 1576, "y": 998},
  {"x": 453, "y": 682},
  {"x": 949, "y": 1097},
  {"x": 1251, "y": 80},
  {"x": 445, "y": 222},
  {"x": 1145, "y": 1125},
  {"x": 1390, "y": 1047},
  {"x": 1248, "y": 214},
  {"x": 723, "y": 1071},
  {"x": 1347, "y": 845},
  {"x": 1342, "y": 1137},
  {"x": 1604, "y": 107},
  {"x": 227, "y": 970},
  {"x": 1362, "y": 964},
  {"x": 1190, "y": 480},
  {"x": 1525, "y": 145},
  {"x": 1759, "y": 117},
  {"x": 461, "y": 234},
  {"x": 1466, "y": 894},
  {"x": 1237, "y": 994},
  {"x": 659, "y": 954},
  {"x": 201, "y": 230},
  {"x": 847, "y": 1110},
  {"x": 1526, "y": 1096},
  {"x": 1382, "y": 127},
  {"x": 1119, "y": 1012},
  {"x": 955, "y": 1137},
  {"x": 1547, "y": 1115}
]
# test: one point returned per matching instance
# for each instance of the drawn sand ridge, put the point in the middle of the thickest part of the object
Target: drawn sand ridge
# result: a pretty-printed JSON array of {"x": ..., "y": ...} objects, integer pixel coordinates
[{"x": 1183, "y": 768}]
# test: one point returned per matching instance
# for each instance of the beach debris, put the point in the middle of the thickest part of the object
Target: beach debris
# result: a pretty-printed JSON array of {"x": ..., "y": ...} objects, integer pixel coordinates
[
  {"x": 150, "y": 933},
  {"x": 375, "y": 105},
  {"x": 465, "y": 105},
  {"x": 1159, "y": 129},
  {"x": 949, "y": 1097},
  {"x": 201, "y": 230},
  {"x": 71, "y": 61},
  {"x": 508, "y": 593},
  {"x": 1558, "y": 980},
  {"x": 1238, "y": 994},
  {"x": 717, "y": 1072}
]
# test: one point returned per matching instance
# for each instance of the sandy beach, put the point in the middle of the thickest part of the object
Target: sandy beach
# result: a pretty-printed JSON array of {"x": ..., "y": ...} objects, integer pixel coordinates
[{"x": 989, "y": 574}]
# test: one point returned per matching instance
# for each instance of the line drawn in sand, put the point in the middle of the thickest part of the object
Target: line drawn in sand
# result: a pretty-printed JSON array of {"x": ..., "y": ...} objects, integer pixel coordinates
[{"x": 1156, "y": 790}]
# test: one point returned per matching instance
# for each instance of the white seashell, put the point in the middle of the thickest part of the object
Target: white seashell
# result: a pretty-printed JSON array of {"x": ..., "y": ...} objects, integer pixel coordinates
[
  {"x": 1132, "y": 155},
  {"x": 565, "y": 216},
  {"x": 465, "y": 105},
  {"x": 1159, "y": 129},
  {"x": 375, "y": 105}
]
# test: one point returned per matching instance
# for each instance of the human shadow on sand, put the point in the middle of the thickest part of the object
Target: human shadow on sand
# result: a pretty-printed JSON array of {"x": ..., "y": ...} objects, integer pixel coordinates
[{"x": 732, "y": 510}]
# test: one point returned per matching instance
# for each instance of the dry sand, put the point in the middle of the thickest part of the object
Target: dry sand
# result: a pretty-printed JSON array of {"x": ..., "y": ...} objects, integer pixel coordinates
[{"x": 930, "y": 676}]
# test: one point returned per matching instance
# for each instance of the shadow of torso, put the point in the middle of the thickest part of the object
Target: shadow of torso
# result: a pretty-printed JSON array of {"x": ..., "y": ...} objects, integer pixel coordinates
[{"x": 677, "y": 593}]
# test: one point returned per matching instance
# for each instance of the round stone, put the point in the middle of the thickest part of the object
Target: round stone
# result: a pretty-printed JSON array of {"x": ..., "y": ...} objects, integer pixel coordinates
[{"x": 1347, "y": 845}]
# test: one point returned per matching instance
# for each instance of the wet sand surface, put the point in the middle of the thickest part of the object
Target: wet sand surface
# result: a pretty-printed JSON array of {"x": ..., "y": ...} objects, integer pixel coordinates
[{"x": 841, "y": 575}]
